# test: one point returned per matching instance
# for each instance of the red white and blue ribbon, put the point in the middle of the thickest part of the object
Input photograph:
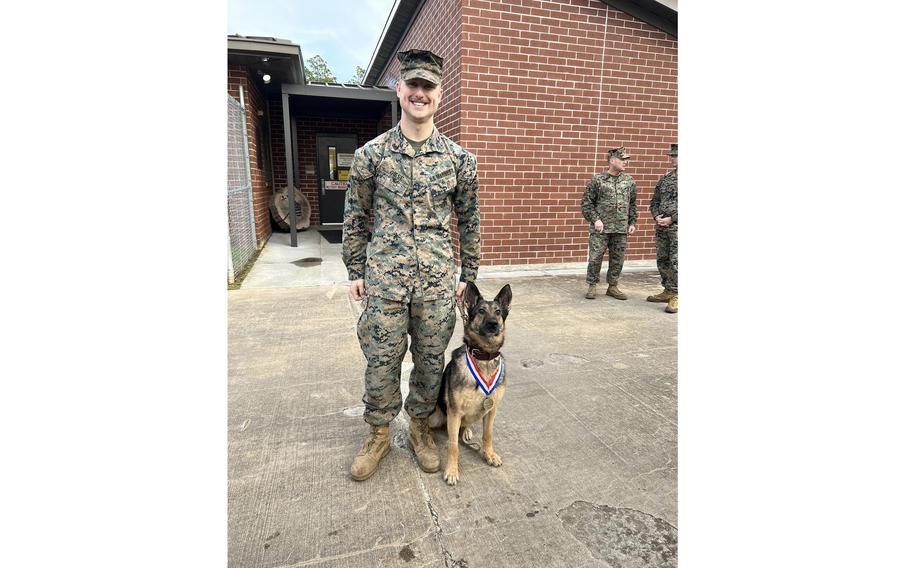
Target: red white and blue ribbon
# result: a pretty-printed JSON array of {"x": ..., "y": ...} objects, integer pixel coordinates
[{"x": 486, "y": 385}]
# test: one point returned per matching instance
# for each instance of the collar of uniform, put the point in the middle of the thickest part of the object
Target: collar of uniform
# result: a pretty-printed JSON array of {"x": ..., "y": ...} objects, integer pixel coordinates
[{"x": 401, "y": 145}]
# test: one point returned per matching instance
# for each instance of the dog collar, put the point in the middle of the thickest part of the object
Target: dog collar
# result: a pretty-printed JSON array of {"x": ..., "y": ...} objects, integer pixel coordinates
[
  {"x": 481, "y": 355},
  {"x": 486, "y": 385}
]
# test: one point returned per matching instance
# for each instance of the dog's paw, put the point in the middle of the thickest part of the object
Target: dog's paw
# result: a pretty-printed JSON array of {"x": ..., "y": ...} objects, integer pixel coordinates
[
  {"x": 451, "y": 475},
  {"x": 492, "y": 458},
  {"x": 467, "y": 435}
]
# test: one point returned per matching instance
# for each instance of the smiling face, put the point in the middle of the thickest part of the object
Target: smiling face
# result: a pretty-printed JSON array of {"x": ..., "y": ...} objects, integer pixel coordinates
[{"x": 419, "y": 99}]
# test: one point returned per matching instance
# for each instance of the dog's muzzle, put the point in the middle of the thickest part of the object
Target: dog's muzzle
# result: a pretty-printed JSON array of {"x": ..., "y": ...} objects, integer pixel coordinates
[{"x": 490, "y": 328}]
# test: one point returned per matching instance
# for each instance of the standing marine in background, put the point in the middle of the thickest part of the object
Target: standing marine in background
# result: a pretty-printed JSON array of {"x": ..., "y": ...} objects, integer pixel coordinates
[
  {"x": 608, "y": 205},
  {"x": 665, "y": 211}
]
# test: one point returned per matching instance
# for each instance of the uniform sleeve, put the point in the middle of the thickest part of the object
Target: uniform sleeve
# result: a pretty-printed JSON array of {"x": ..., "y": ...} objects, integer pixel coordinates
[
  {"x": 589, "y": 202},
  {"x": 633, "y": 207},
  {"x": 675, "y": 214},
  {"x": 358, "y": 202},
  {"x": 655, "y": 199},
  {"x": 468, "y": 212}
]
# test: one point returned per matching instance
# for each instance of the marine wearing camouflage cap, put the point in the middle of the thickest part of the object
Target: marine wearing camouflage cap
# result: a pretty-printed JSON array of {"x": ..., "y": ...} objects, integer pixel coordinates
[
  {"x": 664, "y": 205},
  {"x": 403, "y": 187},
  {"x": 609, "y": 202},
  {"x": 420, "y": 64},
  {"x": 619, "y": 153}
]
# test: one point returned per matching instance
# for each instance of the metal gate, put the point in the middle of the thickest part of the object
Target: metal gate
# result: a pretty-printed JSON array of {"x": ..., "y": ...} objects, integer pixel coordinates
[{"x": 241, "y": 226}]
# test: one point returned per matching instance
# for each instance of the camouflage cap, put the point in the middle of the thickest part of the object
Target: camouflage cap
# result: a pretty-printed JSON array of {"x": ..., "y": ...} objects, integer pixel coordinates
[
  {"x": 619, "y": 153},
  {"x": 420, "y": 64},
  {"x": 674, "y": 150}
]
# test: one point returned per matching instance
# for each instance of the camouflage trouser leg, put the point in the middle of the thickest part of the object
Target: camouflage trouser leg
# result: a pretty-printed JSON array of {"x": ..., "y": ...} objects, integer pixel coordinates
[
  {"x": 667, "y": 262},
  {"x": 597, "y": 245},
  {"x": 617, "y": 246},
  {"x": 431, "y": 328},
  {"x": 383, "y": 332}
]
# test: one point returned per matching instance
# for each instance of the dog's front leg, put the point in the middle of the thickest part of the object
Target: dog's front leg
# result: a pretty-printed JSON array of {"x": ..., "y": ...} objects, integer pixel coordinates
[
  {"x": 488, "y": 453},
  {"x": 453, "y": 422}
]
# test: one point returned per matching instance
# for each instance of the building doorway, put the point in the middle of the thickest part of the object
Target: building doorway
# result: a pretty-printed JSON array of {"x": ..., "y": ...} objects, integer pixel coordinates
[{"x": 335, "y": 154}]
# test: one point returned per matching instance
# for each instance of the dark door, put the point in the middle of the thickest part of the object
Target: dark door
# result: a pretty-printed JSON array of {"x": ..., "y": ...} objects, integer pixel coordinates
[{"x": 335, "y": 153}]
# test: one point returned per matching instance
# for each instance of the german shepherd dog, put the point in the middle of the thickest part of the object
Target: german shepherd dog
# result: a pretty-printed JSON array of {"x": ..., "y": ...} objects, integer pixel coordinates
[{"x": 461, "y": 400}]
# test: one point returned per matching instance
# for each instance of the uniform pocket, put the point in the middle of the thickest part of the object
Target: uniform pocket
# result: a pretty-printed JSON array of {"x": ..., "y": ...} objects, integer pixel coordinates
[{"x": 439, "y": 201}]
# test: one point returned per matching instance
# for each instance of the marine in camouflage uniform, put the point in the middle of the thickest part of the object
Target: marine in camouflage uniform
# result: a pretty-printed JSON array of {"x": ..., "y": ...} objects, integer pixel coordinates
[
  {"x": 610, "y": 199},
  {"x": 409, "y": 265},
  {"x": 664, "y": 205}
]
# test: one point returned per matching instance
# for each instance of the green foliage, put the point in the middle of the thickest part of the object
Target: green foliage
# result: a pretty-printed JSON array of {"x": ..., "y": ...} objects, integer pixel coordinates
[
  {"x": 359, "y": 73},
  {"x": 318, "y": 70}
]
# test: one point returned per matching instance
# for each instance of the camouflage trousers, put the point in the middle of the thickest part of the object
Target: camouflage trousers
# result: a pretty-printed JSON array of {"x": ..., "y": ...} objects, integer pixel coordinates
[
  {"x": 383, "y": 331},
  {"x": 598, "y": 243},
  {"x": 667, "y": 262}
]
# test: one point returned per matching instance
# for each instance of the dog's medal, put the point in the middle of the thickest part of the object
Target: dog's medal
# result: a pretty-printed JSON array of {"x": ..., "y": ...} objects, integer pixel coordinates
[
  {"x": 487, "y": 403},
  {"x": 486, "y": 385}
]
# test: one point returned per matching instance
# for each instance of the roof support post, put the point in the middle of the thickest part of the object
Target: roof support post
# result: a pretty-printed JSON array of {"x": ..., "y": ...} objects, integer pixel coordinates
[
  {"x": 394, "y": 113},
  {"x": 289, "y": 167}
]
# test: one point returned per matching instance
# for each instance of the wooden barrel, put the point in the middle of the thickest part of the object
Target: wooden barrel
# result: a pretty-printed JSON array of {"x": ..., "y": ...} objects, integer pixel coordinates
[{"x": 281, "y": 212}]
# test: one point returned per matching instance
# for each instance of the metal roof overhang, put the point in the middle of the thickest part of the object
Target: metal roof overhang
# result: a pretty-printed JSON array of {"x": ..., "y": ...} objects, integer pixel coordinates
[
  {"x": 396, "y": 26},
  {"x": 340, "y": 91},
  {"x": 328, "y": 97},
  {"x": 658, "y": 14}
]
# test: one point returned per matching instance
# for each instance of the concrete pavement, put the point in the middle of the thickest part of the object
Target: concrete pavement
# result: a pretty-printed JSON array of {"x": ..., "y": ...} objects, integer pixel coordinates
[{"x": 587, "y": 432}]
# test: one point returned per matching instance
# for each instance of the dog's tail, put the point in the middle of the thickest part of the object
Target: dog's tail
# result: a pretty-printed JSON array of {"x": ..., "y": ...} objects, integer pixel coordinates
[{"x": 438, "y": 418}]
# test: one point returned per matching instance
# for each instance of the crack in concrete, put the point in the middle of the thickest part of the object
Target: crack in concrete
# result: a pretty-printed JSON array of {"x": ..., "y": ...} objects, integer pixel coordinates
[
  {"x": 582, "y": 422},
  {"x": 322, "y": 559},
  {"x": 665, "y": 467},
  {"x": 377, "y": 546},
  {"x": 643, "y": 403},
  {"x": 435, "y": 527}
]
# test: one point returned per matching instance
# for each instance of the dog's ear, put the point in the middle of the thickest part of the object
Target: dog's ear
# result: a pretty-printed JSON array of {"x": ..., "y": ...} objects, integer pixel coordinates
[
  {"x": 471, "y": 296},
  {"x": 504, "y": 299}
]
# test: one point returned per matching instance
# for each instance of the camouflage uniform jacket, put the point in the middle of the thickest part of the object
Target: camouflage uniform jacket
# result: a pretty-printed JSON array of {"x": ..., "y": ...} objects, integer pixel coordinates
[
  {"x": 411, "y": 197},
  {"x": 612, "y": 200},
  {"x": 664, "y": 200}
]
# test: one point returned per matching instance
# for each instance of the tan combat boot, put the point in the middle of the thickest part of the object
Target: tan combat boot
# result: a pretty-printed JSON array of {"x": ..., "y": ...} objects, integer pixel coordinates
[
  {"x": 662, "y": 297},
  {"x": 421, "y": 441},
  {"x": 673, "y": 305},
  {"x": 374, "y": 449},
  {"x": 613, "y": 290},
  {"x": 592, "y": 292}
]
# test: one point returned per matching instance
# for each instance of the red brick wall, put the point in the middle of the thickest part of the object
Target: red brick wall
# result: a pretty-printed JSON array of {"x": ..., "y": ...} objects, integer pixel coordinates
[
  {"x": 438, "y": 29},
  {"x": 546, "y": 88},
  {"x": 640, "y": 97},
  {"x": 308, "y": 126},
  {"x": 238, "y": 76},
  {"x": 549, "y": 87}
]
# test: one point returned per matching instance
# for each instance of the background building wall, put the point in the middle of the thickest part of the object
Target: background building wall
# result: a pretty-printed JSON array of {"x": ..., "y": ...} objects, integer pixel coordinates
[
  {"x": 545, "y": 88},
  {"x": 238, "y": 76},
  {"x": 438, "y": 29},
  {"x": 549, "y": 87},
  {"x": 308, "y": 126}
]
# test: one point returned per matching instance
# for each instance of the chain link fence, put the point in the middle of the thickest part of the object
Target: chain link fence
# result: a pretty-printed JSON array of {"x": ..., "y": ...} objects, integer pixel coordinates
[{"x": 241, "y": 227}]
